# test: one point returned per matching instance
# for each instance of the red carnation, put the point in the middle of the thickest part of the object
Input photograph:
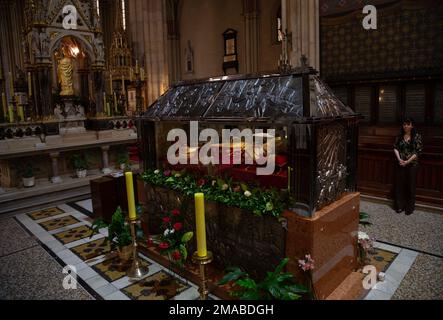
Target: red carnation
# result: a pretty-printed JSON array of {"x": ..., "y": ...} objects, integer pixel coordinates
[
  {"x": 167, "y": 173},
  {"x": 201, "y": 182},
  {"x": 163, "y": 245},
  {"x": 178, "y": 226},
  {"x": 150, "y": 242},
  {"x": 175, "y": 212},
  {"x": 166, "y": 219},
  {"x": 176, "y": 255}
]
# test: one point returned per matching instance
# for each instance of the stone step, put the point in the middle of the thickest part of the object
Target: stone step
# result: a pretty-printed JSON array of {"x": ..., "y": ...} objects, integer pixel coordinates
[
  {"x": 45, "y": 200},
  {"x": 350, "y": 289},
  {"x": 46, "y": 193}
]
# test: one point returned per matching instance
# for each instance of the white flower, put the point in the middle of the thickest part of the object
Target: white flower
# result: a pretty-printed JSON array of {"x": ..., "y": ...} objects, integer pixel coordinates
[
  {"x": 214, "y": 182},
  {"x": 225, "y": 187},
  {"x": 178, "y": 175},
  {"x": 168, "y": 232},
  {"x": 248, "y": 194},
  {"x": 157, "y": 171},
  {"x": 362, "y": 236}
]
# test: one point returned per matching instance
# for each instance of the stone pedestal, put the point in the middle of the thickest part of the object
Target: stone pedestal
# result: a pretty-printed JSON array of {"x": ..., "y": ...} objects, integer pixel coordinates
[
  {"x": 257, "y": 244},
  {"x": 330, "y": 237},
  {"x": 54, "y": 161},
  {"x": 105, "y": 160}
]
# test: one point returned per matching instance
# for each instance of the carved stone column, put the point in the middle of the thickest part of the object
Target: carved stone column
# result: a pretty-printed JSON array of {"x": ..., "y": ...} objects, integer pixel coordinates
[
  {"x": 304, "y": 24},
  {"x": 43, "y": 90},
  {"x": 252, "y": 31},
  {"x": 173, "y": 41},
  {"x": 99, "y": 88},
  {"x": 105, "y": 160},
  {"x": 54, "y": 161}
]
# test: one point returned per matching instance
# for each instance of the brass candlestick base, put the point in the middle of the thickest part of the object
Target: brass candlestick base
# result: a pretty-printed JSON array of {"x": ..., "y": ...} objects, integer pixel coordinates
[
  {"x": 202, "y": 262},
  {"x": 136, "y": 271}
]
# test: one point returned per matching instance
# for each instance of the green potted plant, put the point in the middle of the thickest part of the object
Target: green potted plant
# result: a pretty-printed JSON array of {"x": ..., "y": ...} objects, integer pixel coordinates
[
  {"x": 28, "y": 176},
  {"x": 277, "y": 285},
  {"x": 80, "y": 164},
  {"x": 123, "y": 160},
  {"x": 119, "y": 234}
]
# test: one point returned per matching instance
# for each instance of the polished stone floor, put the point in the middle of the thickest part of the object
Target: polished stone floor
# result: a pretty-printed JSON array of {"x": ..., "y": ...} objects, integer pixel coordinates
[
  {"x": 34, "y": 249},
  {"x": 421, "y": 233}
]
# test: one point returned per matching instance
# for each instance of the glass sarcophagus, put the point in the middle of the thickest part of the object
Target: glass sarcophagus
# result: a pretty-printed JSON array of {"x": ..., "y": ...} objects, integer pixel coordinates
[{"x": 314, "y": 135}]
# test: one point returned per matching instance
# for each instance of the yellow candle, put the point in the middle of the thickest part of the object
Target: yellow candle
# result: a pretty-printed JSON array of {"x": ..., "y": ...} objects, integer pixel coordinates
[
  {"x": 289, "y": 178},
  {"x": 200, "y": 224},
  {"x": 29, "y": 84},
  {"x": 11, "y": 114},
  {"x": 130, "y": 193},
  {"x": 21, "y": 114},
  {"x": 108, "y": 109},
  {"x": 115, "y": 103},
  {"x": 5, "y": 105},
  {"x": 104, "y": 102},
  {"x": 123, "y": 84},
  {"x": 11, "y": 83}
]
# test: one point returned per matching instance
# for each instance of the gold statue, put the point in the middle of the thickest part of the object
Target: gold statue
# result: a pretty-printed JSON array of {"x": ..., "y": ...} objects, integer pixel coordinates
[{"x": 65, "y": 74}]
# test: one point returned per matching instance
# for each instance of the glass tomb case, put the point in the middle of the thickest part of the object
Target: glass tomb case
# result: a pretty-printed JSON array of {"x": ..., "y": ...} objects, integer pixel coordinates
[{"x": 293, "y": 116}]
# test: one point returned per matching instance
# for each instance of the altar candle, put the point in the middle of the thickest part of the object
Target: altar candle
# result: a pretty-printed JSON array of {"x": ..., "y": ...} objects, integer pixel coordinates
[
  {"x": 130, "y": 193},
  {"x": 29, "y": 84},
  {"x": 108, "y": 109},
  {"x": 11, "y": 83},
  {"x": 123, "y": 84},
  {"x": 136, "y": 65},
  {"x": 200, "y": 224},
  {"x": 11, "y": 114},
  {"x": 21, "y": 114},
  {"x": 5, "y": 105},
  {"x": 110, "y": 84},
  {"x": 104, "y": 102},
  {"x": 289, "y": 178}
]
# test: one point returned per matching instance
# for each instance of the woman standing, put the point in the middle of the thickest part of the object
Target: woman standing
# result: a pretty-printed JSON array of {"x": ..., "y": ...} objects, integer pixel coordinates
[{"x": 407, "y": 148}]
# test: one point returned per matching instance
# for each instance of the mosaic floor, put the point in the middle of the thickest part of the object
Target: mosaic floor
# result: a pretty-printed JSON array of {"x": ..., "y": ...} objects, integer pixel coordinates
[{"x": 65, "y": 232}]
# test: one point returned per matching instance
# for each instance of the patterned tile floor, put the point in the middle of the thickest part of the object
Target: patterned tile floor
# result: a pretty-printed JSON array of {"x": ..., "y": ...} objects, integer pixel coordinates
[{"x": 65, "y": 232}]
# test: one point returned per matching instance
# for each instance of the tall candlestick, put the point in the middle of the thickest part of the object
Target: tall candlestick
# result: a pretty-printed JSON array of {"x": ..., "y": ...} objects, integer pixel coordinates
[
  {"x": 11, "y": 114},
  {"x": 21, "y": 113},
  {"x": 130, "y": 194},
  {"x": 108, "y": 109},
  {"x": 11, "y": 84},
  {"x": 115, "y": 103},
  {"x": 200, "y": 224},
  {"x": 5, "y": 106},
  {"x": 289, "y": 178},
  {"x": 104, "y": 103},
  {"x": 136, "y": 65},
  {"x": 29, "y": 84},
  {"x": 142, "y": 74},
  {"x": 110, "y": 84},
  {"x": 123, "y": 84}
]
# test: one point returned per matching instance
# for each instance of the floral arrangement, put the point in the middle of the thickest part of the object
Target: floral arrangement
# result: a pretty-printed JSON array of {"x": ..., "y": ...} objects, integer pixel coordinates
[
  {"x": 365, "y": 245},
  {"x": 238, "y": 194},
  {"x": 277, "y": 285},
  {"x": 307, "y": 265},
  {"x": 172, "y": 242}
]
